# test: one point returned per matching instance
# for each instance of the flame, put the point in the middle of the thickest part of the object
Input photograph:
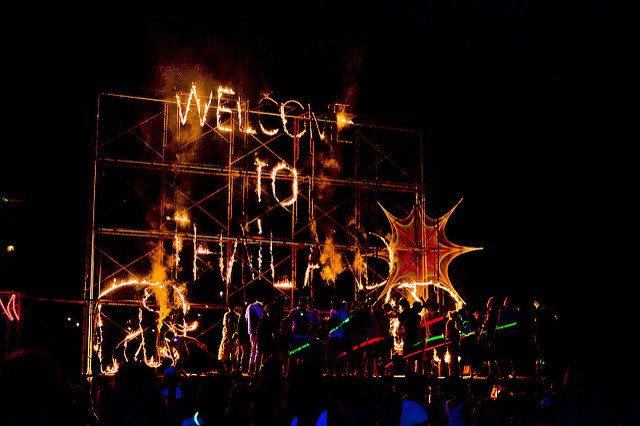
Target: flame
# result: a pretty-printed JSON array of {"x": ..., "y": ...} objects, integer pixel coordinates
[
  {"x": 260, "y": 164},
  {"x": 307, "y": 273},
  {"x": 283, "y": 116},
  {"x": 294, "y": 189},
  {"x": 181, "y": 218},
  {"x": 202, "y": 111},
  {"x": 284, "y": 284},
  {"x": 331, "y": 261},
  {"x": 222, "y": 91},
  {"x": 169, "y": 298},
  {"x": 343, "y": 120},
  {"x": 202, "y": 249}
]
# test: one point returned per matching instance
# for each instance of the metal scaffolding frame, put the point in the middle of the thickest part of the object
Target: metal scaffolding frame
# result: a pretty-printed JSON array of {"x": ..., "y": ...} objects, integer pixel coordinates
[{"x": 228, "y": 201}]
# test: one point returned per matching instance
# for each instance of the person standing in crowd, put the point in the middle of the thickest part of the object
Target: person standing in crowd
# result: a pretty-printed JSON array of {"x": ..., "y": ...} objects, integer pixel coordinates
[
  {"x": 413, "y": 411},
  {"x": 228, "y": 349},
  {"x": 301, "y": 321},
  {"x": 270, "y": 388},
  {"x": 36, "y": 391},
  {"x": 306, "y": 398},
  {"x": 269, "y": 327},
  {"x": 171, "y": 390},
  {"x": 362, "y": 330},
  {"x": 176, "y": 346},
  {"x": 476, "y": 356},
  {"x": 243, "y": 342},
  {"x": 384, "y": 348},
  {"x": 468, "y": 341},
  {"x": 433, "y": 323},
  {"x": 458, "y": 409},
  {"x": 134, "y": 399},
  {"x": 336, "y": 338},
  {"x": 253, "y": 315},
  {"x": 210, "y": 402},
  {"x": 240, "y": 409},
  {"x": 487, "y": 338},
  {"x": 370, "y": 354},
  {"x": 507, "y": 333},
  {"x": 409, "y": 318},
  {"x": 545, "y": 335},
  {"x": 317, "y": 324},
  {"x": 395, "y": 356},
  {"x": 452, "y": 339}
]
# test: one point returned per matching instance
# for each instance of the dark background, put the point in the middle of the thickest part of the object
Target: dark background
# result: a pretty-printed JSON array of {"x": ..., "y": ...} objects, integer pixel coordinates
[{"x": 528, "y": 109}]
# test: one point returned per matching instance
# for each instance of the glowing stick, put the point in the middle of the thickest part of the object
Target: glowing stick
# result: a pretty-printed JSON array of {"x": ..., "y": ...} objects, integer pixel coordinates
[
  {"x": 340, "y": 325},
  {"x": 500, "y": 327},
  {"x": 299, "y": 348},
  {"x": 432, "y": 338}
]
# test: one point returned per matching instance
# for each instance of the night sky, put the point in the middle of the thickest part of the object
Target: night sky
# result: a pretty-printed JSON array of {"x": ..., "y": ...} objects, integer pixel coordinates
[{"x": 528, "y": 112}]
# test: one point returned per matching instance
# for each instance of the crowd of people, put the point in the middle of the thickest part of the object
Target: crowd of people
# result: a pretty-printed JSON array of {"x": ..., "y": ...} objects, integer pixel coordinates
[
  {"x": 367, "y": 338},
  {"x": 34, "y": 392},
  {"x": 362, "y": 363}
]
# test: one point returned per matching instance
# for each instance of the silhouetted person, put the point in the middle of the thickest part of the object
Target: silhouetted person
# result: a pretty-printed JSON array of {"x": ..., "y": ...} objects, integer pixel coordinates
[
  {"x": 306, "y": 399},
  {"x": 253, "y": 314},
  {"x": 487, "y": 338},
  {"x": 433, "y": 322},
  {"x": 35, "y": 392},
  {"x": 507, "y": 334},
  {"x": 361, "y": 330},
  {"x": 240, "y": 408},
  {"x": 243, "y": 342},
  {"x": 211, "y": 401},
  {"x": 409, "y": 318},
  {"x": 228, "y": 349},
  {"x": 468, "y": 340},
  {"x": 476, "y": 357},
  {"x": 337, "y": 338},
  {"x": 452, "y": 339},
  {"x": 458, "y": 409},
  {"x": 413, "y": 411},
  {"x": 135, "y": 398},
  {"x": 383, "y": 349},
  {"x": 171, "y": 390},
  {"x": 301, "y": 321},
  {"x": 317, "y": 326},
  {"x": 269, "y": 335},
  {"x": 269, "y": 392},
  {"x": 546, "y": 326},
  {"x": 388, "y": 408}
]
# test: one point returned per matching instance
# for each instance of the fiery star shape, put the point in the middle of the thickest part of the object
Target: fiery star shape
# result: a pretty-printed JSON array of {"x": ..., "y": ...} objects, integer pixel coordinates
[{"x": 419, "y": 250}]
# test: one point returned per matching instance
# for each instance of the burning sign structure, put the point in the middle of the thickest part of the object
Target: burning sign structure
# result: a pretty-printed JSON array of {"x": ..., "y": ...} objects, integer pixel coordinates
[{"x": 201, "y": 197}]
